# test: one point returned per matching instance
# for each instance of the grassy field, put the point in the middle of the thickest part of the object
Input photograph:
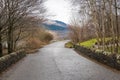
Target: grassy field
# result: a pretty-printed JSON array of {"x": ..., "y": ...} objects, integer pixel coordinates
[
  {"x": 88, "y": 43},
  {"x": 91, "y": 42}
]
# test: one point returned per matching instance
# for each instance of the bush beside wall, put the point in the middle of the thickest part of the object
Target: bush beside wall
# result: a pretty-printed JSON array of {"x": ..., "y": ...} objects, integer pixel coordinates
[
  {"x": 110, "y": 60},
  {"x": 69, "y": 45},
  {"x": 7, "y": 60}
]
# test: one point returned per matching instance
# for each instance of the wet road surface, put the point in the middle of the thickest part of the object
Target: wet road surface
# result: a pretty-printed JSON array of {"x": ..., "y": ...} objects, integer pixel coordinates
[{"x": 54, "y": 62}]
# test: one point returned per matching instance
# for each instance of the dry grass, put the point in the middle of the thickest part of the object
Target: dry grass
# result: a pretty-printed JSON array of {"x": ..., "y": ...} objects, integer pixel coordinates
[
  {"x": 29, "y": 51},
  {"x": 34, "y": 43}
]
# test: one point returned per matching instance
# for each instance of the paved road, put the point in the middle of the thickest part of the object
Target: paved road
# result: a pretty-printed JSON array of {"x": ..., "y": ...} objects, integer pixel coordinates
[{"x": 54, "y": 62}]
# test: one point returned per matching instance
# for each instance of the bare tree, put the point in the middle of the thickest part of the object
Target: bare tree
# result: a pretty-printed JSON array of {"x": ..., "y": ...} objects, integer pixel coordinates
[
  {"x": 12, "y": 15},
  {"x": 3, "y": 22},
  {"x": 104, "y": 15},
  {"x": 17, "y": 10}
]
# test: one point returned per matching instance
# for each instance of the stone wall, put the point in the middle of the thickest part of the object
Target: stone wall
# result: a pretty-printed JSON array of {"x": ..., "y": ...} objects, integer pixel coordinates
[
  {"x": 110, "y": 60},
  {"x": 7, "y": 60}
]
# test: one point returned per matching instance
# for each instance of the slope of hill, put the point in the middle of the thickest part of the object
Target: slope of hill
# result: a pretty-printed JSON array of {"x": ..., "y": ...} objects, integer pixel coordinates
[
  {"x": 55, "y": 25},
  {"x": 59, "y": 27}
]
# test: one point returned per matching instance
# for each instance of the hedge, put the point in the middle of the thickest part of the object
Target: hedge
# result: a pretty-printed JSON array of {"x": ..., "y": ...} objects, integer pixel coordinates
[{"x": 7, "y": 60}]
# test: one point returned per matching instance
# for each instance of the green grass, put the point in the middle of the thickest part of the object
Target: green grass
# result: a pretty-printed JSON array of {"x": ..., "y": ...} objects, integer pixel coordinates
[
  {"x": 91, "y": 42},
  {"x": 88, "y": 43}
]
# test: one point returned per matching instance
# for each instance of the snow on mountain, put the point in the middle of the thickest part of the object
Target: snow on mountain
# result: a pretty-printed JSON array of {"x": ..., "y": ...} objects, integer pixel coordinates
[{"x": 55, "y": 25}]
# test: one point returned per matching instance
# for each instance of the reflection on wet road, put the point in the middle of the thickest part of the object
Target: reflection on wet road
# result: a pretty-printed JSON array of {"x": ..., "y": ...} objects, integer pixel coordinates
[{"x": 54, "y": 62}]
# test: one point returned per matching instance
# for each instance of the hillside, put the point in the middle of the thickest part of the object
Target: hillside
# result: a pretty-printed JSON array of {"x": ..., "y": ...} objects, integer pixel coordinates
[
  {"x": 58, "y": 27},
  {"x": 55, "y": 25}
]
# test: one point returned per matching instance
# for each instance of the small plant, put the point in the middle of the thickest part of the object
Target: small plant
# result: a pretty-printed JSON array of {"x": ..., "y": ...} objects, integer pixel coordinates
[{"x": 69, "y": 45}]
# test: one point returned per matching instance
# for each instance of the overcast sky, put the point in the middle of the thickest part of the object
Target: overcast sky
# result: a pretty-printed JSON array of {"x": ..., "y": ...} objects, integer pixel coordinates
[{"x": 60, "y": 9}]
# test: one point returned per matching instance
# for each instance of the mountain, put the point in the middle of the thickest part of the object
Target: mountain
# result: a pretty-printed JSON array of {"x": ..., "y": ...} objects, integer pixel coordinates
[
  {"x": 58, "y": 27},
  {"x": 55, "y": 25}
]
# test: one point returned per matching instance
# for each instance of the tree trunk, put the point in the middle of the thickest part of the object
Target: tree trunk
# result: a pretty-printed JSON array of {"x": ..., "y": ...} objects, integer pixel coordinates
[
  {"x": 10, "y": 40},
  {"x": 1, "y": 50},
  {"x": 10, "y": 28},
  {"x": 117, "y": 28}
]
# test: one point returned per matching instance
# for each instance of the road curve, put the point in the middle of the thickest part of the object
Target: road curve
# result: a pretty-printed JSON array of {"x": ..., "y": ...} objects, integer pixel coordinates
[{"x": 54, "y": 62}]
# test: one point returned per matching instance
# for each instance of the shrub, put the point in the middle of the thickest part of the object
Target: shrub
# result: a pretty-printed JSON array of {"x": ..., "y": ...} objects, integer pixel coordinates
[
  {"x": 69, "y": 45},
  {"x": 47, "y": 37},
  {"x": 34, "y": 43}
]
